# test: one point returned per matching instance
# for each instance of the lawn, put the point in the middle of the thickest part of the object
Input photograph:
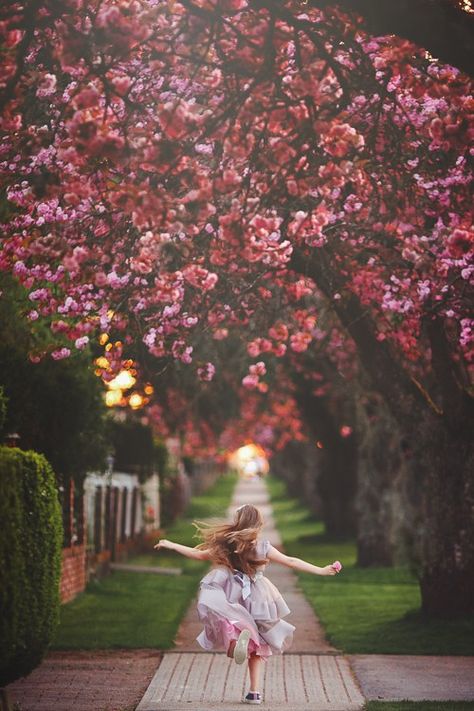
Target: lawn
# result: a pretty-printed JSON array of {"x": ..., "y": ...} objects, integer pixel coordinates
[
  {"x": 363, "y": 610},
  {"x": 134, "y": 610},
  {"x": 419, "y": 706}
]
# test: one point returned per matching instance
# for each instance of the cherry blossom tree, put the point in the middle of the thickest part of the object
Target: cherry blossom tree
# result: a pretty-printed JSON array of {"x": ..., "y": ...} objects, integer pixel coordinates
[{"x": 185, "y": 171}]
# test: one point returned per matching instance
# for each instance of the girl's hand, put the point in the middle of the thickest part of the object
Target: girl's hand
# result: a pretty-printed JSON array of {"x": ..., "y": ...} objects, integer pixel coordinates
[
  {"x": 332, "y": 569},
  {"x": 163, "y": 544}
]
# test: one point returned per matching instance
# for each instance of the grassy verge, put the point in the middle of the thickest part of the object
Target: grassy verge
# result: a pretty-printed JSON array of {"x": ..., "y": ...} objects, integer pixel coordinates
[
  {"x": 364, "y": 610},
  {"x": 134, "y": 610},
  {"x": 419, "y": 706}
]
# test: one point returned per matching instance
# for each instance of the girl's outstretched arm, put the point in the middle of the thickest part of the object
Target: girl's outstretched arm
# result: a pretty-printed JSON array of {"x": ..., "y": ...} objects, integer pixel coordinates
[
  {"x": 298, "y": 564},
  {"x": 196, "y": 553}
]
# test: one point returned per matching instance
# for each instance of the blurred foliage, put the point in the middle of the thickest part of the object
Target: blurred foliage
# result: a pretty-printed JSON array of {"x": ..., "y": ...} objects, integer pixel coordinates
[
  {"x": 55, "y": 406},
  {"x": 136, "y": 451}
]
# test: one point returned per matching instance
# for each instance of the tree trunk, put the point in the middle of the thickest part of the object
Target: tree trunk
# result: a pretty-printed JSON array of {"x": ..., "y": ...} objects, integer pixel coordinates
[
  {"x": 336, "y": 485},
  {"x": 387, "y": 501},
  {"x": 337, "y": 458},
  {"x": 297, "y": 466},
  {"x": 447, "y": 573}
]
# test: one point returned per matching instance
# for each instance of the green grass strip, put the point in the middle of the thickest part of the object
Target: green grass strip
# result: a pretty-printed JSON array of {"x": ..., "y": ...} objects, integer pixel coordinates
[
  {"x": 137, "y": 610},
  {"x": 363, "y": 610}
]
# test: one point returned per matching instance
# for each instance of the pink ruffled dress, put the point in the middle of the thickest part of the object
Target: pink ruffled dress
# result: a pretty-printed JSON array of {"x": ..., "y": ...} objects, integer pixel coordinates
[{"x": 231, "y": 601}]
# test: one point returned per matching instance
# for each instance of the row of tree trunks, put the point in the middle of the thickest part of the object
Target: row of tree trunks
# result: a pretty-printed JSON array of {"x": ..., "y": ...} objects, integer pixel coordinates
[{"x": 435, "y": 431}]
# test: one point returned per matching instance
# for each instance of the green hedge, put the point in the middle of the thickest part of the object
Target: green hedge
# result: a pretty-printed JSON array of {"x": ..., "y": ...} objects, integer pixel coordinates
[{"x": 30, "y": 560}]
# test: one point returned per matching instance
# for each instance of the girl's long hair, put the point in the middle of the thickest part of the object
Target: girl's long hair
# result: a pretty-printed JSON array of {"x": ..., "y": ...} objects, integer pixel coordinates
[{"x": 233, "y": 544}]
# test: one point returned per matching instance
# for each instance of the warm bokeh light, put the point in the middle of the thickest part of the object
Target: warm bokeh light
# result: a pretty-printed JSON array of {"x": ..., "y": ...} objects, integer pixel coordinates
[
  {"x": 113, "y": 398},
  {"x": 122, "y": 381},
  {"x": 135, "y": 401},
  {"x": 148, "y": 389},
  {"x": 102, "y": 362},
  {"x": 250, "y": 460}
]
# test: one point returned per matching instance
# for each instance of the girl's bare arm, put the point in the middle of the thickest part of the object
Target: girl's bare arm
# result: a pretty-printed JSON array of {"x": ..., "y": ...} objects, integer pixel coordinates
[
  {"x": 298, "y": 564},
  {"x": 196, "y": 553}
]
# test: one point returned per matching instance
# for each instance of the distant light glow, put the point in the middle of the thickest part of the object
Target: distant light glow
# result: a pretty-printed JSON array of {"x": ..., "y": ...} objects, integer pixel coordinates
[{"x": 250, "y": 460}]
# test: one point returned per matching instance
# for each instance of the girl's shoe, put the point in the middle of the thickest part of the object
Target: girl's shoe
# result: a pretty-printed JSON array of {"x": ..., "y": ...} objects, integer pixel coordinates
[
  {"x": 253, "y": 698},
  {"x": 241, "y": 647}
]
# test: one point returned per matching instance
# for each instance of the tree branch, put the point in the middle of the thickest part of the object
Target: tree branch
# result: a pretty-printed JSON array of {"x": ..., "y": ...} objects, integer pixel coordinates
[{"x": 389, "y": 378}]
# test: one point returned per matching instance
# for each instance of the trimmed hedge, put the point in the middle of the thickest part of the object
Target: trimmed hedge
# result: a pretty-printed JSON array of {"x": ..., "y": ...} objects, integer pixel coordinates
[{"x": 30, "y": 560}]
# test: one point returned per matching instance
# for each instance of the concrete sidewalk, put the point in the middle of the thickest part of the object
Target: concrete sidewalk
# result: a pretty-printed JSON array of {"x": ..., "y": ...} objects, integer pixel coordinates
[
  {"x": 396, "y": 677},
  {"x": 312, "y": 676}
]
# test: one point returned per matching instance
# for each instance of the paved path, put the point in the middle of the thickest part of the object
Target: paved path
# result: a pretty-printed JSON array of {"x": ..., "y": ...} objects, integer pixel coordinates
[
  {"x": 87, "y": 681},
  {"x": 395, "y": 677},
  {"x": 312, "y": 676}
]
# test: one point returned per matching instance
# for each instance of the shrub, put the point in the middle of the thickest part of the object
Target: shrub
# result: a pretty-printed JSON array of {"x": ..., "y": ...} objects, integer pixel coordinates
[{"x": 30, "y": 560}]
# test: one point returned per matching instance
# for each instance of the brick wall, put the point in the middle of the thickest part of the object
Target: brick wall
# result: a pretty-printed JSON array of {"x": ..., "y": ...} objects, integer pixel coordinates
[{"x": 73, "y": 573}]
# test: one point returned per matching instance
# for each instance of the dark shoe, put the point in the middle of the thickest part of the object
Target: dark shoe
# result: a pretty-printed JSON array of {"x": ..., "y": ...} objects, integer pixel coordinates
[{"x": 253, "y": 698}]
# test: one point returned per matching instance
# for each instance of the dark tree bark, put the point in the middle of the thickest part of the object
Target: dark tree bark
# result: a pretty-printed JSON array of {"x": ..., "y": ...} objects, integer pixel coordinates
[
  {"x": 296, "y": 465},
  {"x": 337, "y": 480},
  {"x": 440, "y": 26},
  {"x": 388, "y": 490}
]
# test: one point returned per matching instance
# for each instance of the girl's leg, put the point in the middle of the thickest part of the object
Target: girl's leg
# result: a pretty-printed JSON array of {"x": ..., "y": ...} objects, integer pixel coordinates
[{"x": 255, "y": 665}]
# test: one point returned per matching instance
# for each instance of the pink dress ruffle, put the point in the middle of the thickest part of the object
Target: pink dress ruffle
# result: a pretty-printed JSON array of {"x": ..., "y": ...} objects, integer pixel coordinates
[{"x": 229, "y": 602}]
